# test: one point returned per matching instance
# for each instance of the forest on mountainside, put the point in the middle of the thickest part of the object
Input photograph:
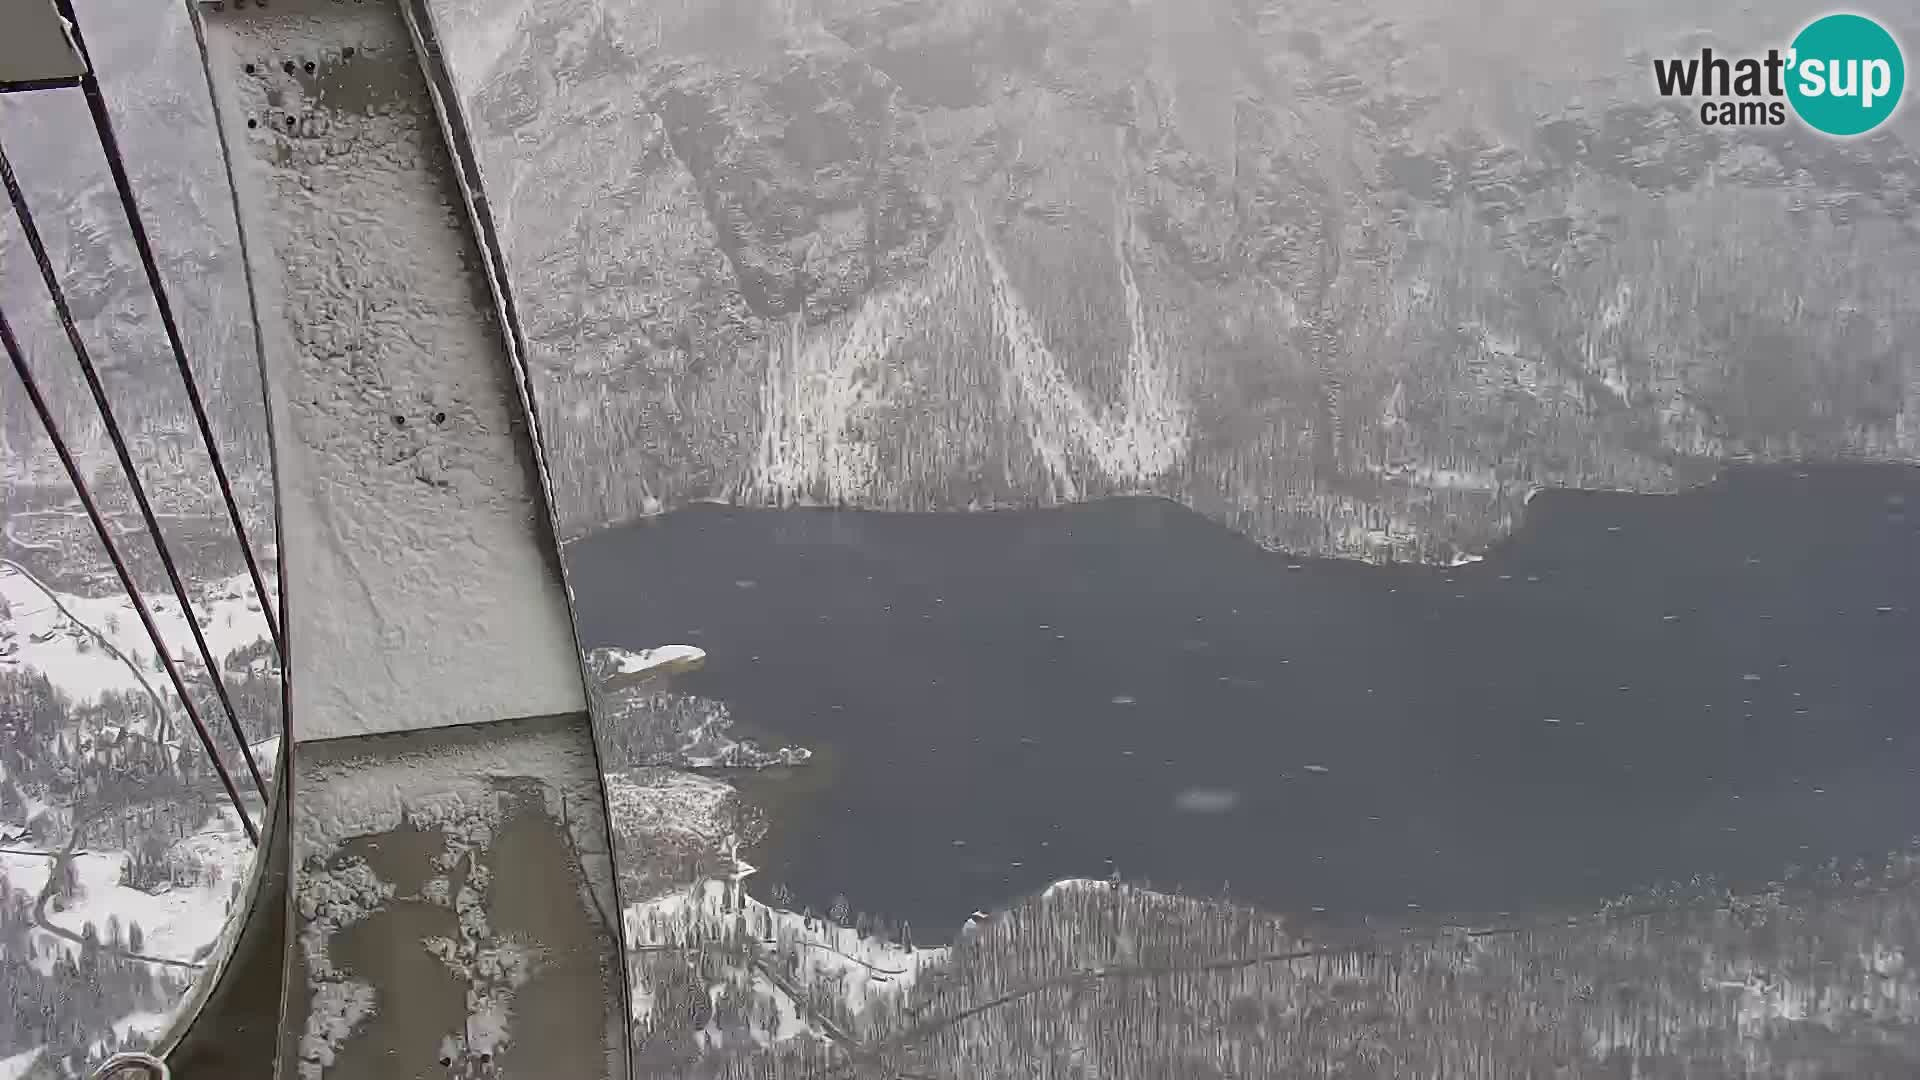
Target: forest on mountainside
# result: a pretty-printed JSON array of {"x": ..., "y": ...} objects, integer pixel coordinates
[{"x": 1354, "y": 281}]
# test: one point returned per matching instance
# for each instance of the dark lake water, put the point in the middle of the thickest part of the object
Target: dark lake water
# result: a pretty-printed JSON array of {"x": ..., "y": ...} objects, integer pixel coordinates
[{"x": 1632, "y": 689}]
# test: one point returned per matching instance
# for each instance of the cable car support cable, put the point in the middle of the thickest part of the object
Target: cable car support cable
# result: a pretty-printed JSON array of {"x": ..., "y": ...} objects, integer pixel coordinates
[
  {"x": 84, "y": 358},
  {"x": 110, "y": 144},
  {"x": 107, "y": 541}
]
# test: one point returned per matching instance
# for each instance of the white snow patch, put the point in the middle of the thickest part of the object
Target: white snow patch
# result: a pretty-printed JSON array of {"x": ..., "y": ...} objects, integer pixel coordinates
[
  {"x": 821, "y": 389},
  {"x": 1456, "y": 479},
  {"x": 47, "y": 641},
  {"x": 1066, "y": 885},
  {"x": 1131, "y": 443},
  {"x": 668, "y": 801},
  {"x": 336, "y": 1010},
  {"x": 456, "y": 791},
  {"x": 17, "y": 1066},
  {"x": 860, "y": 970},
  {"x": 704, "y": 731},
  {"x": 618, "y": 667},
  {"x": 181, "y": 922},
  {"x": 436, "y": 787},
  {"x": 26, "y": 873},
  {"x": 145, "y": 1025},
  {"x": 652, "y": 659}
]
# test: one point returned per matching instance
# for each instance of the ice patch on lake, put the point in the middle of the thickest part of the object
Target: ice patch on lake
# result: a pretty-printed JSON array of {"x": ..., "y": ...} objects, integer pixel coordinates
[{"x": 618, "y": 667}]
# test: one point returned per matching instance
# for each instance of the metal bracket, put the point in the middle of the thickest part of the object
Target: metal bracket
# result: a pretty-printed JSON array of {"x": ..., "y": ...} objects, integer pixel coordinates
[
  {"x": 37, "y": 51},
  {"x": 133, "y": 1067}
]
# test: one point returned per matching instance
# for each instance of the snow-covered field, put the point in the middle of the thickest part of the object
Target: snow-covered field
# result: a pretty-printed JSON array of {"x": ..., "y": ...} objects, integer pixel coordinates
[
  {"x": 16, "y": 1066},
  {"x": 66, "y": 637},
  {"x": 45, "y": 640},
  {"x": 179, "y": 923}
]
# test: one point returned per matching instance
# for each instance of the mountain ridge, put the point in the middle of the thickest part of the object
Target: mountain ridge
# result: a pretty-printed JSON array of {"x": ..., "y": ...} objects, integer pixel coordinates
[{"x": 1387, "y": 320}]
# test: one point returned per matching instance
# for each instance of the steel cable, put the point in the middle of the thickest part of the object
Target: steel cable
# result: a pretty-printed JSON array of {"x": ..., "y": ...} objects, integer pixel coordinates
[
  {"x": 107, "y": 541},
  {"x": 83, "y": 357},
  {"x": 110, "y": 144}
]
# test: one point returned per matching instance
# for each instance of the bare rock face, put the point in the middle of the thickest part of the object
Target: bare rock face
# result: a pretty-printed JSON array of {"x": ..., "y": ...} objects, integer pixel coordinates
[{"x": 1353, "y": 284}]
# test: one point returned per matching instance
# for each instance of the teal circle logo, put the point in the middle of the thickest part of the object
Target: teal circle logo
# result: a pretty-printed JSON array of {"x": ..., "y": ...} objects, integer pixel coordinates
[{"x": 1846, "y": 74}]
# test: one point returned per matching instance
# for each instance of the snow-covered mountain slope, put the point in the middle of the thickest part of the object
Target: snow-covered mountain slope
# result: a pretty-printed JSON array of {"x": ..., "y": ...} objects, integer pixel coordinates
[{"x": 1304, "y": 267}]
